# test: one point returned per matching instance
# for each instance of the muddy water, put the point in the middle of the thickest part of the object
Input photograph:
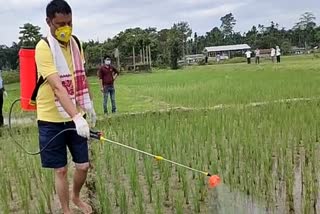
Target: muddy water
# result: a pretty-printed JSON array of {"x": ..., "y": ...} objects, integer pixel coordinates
[{"x": 224, "y": 199}]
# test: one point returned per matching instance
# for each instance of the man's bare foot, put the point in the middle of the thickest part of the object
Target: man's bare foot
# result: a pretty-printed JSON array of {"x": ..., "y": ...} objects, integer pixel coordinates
[
  {"x": 66, "y": 211},
  {"x": 85, "y": 208}
]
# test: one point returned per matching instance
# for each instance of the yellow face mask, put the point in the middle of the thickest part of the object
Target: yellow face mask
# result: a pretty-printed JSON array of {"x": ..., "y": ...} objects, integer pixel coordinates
[{"x": 64, "y": 33}]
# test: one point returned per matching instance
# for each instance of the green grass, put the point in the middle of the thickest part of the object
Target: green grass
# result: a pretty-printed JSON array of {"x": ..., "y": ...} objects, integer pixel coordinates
[
  {"x": 254, "y": 149},
  {"x": 207, "y": 86},
  {"x": 229, "y": 84}
]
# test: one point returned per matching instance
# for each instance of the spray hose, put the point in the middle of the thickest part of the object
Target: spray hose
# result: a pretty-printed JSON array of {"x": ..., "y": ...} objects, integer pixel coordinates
[{"x": 214, "y": 180}]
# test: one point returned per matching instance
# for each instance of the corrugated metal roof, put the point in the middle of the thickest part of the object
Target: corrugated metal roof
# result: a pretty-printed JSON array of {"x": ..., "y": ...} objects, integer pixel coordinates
[
  {"x": 194, "y": 55},
  {"x": 227, "y": 48}
]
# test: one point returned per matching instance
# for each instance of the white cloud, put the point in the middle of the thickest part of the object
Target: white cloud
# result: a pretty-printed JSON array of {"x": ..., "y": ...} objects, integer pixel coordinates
[
  {"x": 105, "y": 18},
  {"x": 16, "y": 5},
  {"x": 193, "y": 2},
  {"x": 215, "y": 11}
]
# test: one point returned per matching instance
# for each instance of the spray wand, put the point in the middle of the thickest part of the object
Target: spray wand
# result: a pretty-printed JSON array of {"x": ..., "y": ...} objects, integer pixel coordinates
[{"x": 213, "y": 181}]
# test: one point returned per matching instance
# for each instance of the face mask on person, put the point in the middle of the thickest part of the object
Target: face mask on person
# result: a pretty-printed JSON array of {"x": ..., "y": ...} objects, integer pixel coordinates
[
  {"x": 107, "y": 62},
  {"x": 64, "y": 33}
]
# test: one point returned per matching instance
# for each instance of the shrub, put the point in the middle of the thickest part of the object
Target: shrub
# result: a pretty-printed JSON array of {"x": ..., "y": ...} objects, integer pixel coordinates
[{"x": 10, "y": 77}]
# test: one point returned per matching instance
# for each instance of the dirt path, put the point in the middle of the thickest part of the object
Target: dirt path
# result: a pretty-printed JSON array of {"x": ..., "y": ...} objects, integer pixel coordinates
[{"x": 222, "y": 106}]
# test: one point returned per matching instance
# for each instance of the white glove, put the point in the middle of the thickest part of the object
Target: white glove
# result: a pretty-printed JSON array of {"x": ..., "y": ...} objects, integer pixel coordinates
[
  {"x": 92, "y": 116},
  {"x": 5, "y": 94},
  {"x": 81, "y": 126}
]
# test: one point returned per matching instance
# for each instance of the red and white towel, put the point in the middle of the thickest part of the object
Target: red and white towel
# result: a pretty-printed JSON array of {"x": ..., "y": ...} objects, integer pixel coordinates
[{"x": 80, "y": 93}]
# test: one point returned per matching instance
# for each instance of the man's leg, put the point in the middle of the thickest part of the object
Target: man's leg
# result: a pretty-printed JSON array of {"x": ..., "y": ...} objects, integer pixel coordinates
[
  {"x": 79, "y": 177},
  {"x": 113, "y": 99},
  {"x": 78, "y": 147},
  {"x": 62, "y": 188},
  {"x": 105, "y": 101},
  {"x": 55, "y": 157}
]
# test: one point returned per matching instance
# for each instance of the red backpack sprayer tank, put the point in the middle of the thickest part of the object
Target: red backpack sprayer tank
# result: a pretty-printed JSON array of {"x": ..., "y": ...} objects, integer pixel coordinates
[
  {"x": 28, "y": 81},
  {"x": 28, "y": 78}
]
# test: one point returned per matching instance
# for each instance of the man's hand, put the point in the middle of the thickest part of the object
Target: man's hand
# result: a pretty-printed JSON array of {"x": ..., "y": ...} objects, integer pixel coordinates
[
  {"x": 102, "y": 89},
  {"x": 5, "y": 94},
  {"x": 82, "y": 126}
]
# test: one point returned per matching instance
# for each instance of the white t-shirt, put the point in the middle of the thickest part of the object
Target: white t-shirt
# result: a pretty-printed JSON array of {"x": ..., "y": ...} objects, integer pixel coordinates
[
  {"x": 273, "y": 52},
  {"x": 248, "y": 54},
  {"x": 257, "y": 53},
  {"x": 278, "y": 52}
]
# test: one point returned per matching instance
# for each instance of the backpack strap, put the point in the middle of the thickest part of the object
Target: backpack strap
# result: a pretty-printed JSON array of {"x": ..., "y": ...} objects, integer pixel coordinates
[
  {"x": 34, "y": 95},
  {"x": 77, "y": 41},
  {"x": 41, "y": 80}
]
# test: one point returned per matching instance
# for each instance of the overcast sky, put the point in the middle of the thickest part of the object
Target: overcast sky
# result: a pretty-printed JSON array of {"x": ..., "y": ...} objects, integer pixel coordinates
[{"x": 100, "y": 19}]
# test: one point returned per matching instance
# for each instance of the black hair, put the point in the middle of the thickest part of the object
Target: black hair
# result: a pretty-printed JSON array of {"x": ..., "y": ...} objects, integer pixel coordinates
[
  {"x": 58, "y": 6},
  {"x": 106, "y": 57}
]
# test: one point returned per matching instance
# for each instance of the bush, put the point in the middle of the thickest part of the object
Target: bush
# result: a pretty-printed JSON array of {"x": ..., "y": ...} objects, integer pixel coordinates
[
  {"x": 92, "y": 71},
  {"x": 202, "y": 62},
  {"x": 10, "y": 77}
]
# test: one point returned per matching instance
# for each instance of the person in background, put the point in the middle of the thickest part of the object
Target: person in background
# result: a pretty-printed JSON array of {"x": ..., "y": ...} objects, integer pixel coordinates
[
  {"x": 273, "y": 54},
  {"x": 107, "y": 75},
  {"x": 257, "y": 53},
  {"x": 218, "y": 57},
  {"x": 3, "y": 94},
  {"x": 278, "y": 53},
  {"x": 248, "y": 55}
]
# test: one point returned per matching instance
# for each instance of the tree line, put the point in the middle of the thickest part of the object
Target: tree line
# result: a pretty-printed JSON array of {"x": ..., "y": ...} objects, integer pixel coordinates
[{"x": 169, "y": 45}]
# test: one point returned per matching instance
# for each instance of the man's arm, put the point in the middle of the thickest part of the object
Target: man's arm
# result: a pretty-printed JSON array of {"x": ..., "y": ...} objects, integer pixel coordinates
[
  {"x": 47, "y": 70},
  {"x": 100, "y": 76},
  {"x": 115, "y": 73},
  {"x": 62, "y": 94}
]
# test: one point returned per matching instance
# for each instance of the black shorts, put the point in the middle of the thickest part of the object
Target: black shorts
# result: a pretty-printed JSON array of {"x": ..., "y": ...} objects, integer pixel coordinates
[{"x": 55, "y": 155}]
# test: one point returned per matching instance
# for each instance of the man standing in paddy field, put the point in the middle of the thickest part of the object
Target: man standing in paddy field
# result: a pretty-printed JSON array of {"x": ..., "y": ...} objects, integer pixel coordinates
[
  {"x": 107, "y": 74},
  {"x": 3, "y": 94},
  {"x": 248, "y": 56},
  {"x": 273, "y": 54},
  {"x": 278, "y": 53},
  {"x": 257, "y": 57},
  {"x": 62, "y": 101}
]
